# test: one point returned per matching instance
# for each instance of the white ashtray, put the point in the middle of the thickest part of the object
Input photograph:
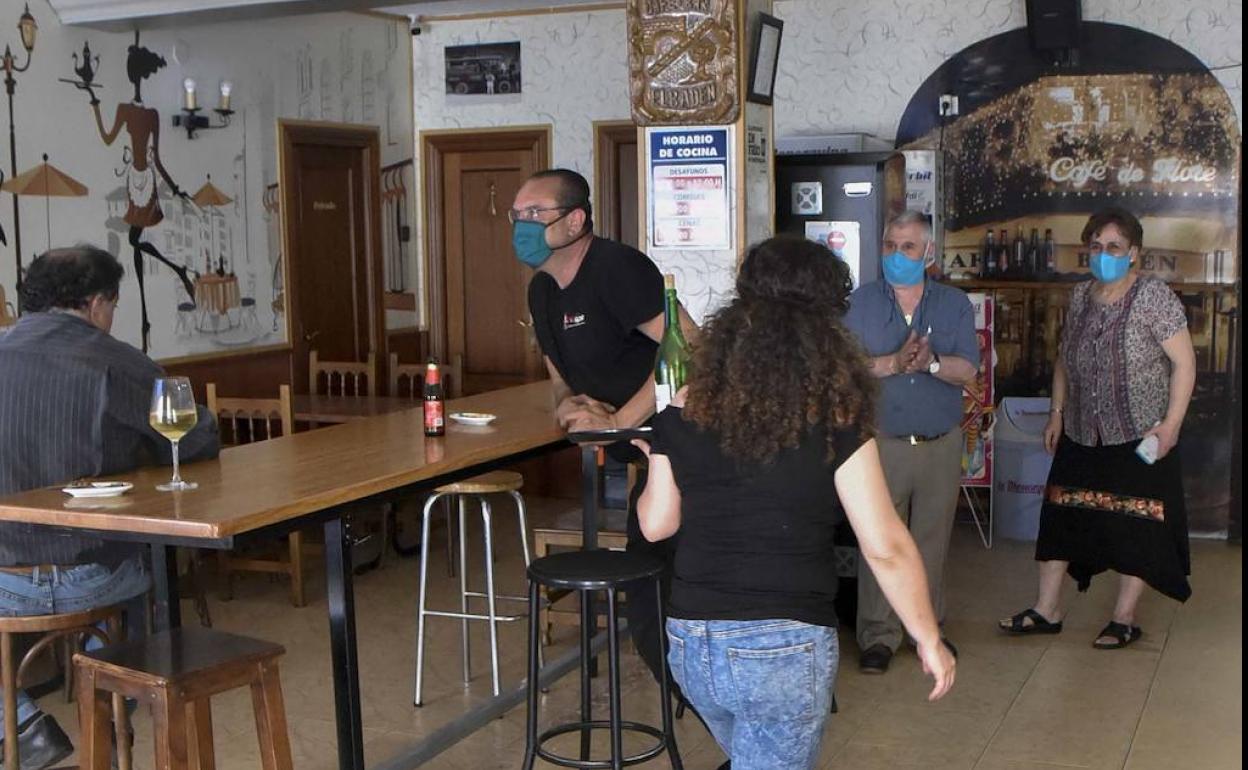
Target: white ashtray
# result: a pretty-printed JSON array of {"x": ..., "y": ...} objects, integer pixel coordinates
[
  {"x": 473, "y": 418},
  {"x": 99, "y": 489}
]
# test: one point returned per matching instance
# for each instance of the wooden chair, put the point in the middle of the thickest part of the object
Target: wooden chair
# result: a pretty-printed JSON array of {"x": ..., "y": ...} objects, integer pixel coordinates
[
  {"x": 61, "y": 627},
  {"x": 177, "y": 672},
  {"x": 547, "y": 541},
  {"x": 347, "y": 374},
  {"x": 414, "y": 376},
  {"x": 567, "y": 535},
  {"x": 243, "y": 421}
]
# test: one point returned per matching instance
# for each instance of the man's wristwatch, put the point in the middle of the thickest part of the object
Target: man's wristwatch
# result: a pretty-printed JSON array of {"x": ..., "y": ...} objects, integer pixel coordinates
[{"x": 934, "y": 366}]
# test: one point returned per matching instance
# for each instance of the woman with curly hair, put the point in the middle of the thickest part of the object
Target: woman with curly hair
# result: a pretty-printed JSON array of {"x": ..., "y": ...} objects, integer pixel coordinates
[{"x": 747, "y": 464}]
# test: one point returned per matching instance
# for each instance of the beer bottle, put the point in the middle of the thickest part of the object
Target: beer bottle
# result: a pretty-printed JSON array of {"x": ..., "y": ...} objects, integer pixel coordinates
[
  {"x": 1050, "y": 253},
  {"x": 435, "y": 412}
]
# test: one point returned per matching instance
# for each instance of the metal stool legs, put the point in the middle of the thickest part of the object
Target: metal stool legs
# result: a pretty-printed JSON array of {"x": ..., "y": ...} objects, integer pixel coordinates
[
  {"x": 464, "y": 615},
  {"x": 615, "y": 723}
]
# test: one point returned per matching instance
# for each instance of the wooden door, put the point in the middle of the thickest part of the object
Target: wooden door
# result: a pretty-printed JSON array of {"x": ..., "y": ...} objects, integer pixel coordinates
[
  {"x": 484, "y": 320},
  {"x": 616, "y": 193},
  {"x": 330, "y": 177}
]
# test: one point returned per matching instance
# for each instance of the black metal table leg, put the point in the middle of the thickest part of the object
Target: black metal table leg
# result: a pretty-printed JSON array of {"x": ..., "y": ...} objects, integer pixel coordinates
[
  {"x": 589, "y": 535},
  {"x": 166, "y": 610},
  {"x": 589, "y": 496},
  {"x": 342, "y": 644}
]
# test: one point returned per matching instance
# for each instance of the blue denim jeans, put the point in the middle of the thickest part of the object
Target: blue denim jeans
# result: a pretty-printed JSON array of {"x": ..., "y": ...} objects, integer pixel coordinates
[
  {"x": 48, "y": 591},
  {"x": 763, "y": 687}
]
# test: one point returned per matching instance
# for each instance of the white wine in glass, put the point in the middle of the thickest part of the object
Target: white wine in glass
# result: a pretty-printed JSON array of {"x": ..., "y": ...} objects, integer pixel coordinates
[{"x": 173, "y": 415}]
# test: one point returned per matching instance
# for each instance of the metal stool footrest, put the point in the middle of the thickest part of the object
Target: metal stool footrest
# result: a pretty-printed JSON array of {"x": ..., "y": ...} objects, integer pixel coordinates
[
  {"x": 600, "y": 724},
  {"x": 470, "y": 616},
  {"x": 497, "y": 597}
]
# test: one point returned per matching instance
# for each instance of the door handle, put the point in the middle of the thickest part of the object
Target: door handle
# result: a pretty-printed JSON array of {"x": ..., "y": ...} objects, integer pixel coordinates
[
  {"x": 309, "y": 336},
  {"x": 530, "y": 332}
]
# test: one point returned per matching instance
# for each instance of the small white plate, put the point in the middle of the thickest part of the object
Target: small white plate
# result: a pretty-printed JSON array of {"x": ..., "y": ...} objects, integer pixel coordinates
[
  {"x": 100, "y": 489},
  {"x": 473, "y": 418}
]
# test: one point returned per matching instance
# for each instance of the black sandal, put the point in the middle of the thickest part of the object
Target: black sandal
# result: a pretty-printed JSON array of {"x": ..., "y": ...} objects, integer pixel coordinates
[
  {"x": 1121, "y": 633},
  {"x": 1039, "y": 624}
]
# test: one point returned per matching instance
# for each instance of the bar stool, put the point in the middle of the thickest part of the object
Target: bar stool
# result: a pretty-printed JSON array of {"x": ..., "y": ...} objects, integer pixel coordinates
[
  {"x": 57, "y": 627},
  {"x": 586, "y": 572},
  {"x": 176, "y": 672},
  {"x": 495, "y": 482}
]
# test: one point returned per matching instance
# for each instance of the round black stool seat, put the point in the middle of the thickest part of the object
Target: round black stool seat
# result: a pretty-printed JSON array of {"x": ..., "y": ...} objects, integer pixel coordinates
[{"x": 593, "y": 570}]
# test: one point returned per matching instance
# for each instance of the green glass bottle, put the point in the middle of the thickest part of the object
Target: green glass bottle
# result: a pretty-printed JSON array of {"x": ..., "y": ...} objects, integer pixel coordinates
[{"x": 674, "y": 361}]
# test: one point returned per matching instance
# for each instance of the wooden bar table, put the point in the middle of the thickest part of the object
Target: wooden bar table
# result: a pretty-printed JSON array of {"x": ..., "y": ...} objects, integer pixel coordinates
[
  {"x": 272, "y": 487},
  {"x": 337, "y": 409}
]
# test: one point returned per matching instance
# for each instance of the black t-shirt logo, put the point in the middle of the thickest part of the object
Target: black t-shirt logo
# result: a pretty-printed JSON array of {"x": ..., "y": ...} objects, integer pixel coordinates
[{"x": 573, "y": 320}]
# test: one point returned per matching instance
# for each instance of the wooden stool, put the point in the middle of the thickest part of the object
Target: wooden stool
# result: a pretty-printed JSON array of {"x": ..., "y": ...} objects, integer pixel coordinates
[
  {"x": 544, "y": 540},
  {"x": 61, "y": 626},
  {"x": 495, "y": 482},
  {"x": 176, "y": 672}
]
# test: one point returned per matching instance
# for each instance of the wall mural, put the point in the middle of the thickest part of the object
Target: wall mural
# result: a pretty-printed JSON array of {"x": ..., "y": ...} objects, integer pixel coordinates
[
  {"x": 192, "y": 220},
  {"x": 140, "y": 164}
]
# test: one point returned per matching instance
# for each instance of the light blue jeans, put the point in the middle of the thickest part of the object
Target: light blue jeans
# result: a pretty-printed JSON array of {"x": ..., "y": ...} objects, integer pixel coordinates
[
  {"x": 763, "y": 687},
  {"x": 48, "y": 591}
]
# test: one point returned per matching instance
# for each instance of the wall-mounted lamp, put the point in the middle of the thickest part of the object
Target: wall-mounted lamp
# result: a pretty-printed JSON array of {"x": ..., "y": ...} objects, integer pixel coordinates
[{"x": 191, "y": 120}]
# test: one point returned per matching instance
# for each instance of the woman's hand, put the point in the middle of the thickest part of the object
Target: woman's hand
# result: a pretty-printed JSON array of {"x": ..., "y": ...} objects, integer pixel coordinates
[
  {"x": 1167, "y": 437},
  {"x": 939, "y": 663},
  {"x": 1052, "y": 432}
]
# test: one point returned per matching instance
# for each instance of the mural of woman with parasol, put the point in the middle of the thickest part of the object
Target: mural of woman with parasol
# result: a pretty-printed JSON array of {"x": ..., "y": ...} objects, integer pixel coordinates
[{"x": 142, "y": 158}]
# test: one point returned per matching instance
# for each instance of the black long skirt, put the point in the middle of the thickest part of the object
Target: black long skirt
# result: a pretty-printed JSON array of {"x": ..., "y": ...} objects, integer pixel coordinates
[{"x": 1106, "y": 509}]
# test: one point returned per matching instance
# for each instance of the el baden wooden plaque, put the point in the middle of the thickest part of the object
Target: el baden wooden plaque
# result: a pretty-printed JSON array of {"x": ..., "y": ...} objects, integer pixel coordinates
[{"x": 682, "y": 60}]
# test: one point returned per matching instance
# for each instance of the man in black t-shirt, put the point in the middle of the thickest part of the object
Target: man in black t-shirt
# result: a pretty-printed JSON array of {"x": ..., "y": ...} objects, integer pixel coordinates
[{"x": 597, "y": 309}]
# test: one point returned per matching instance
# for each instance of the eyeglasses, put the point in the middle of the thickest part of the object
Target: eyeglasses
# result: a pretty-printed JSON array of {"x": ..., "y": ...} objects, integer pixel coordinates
[{"x": 532, "y": 213}]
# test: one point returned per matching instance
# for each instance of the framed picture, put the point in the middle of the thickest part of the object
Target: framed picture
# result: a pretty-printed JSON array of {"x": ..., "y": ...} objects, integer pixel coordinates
[
  {"x": 486, "y": 69},
  {"x": 763, "y": 59}
]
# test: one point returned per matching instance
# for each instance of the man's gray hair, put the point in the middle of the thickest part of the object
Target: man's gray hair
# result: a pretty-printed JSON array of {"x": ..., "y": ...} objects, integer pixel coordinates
[{"x": 911, "y": 217}]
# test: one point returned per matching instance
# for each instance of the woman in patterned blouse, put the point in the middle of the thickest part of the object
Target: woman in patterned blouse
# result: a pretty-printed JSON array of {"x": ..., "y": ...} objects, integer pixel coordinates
[{"x": 1125, "y": 372}]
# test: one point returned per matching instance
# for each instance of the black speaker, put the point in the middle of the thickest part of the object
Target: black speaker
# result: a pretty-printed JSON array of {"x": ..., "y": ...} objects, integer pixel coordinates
[{"x": 1054, "y": 24}]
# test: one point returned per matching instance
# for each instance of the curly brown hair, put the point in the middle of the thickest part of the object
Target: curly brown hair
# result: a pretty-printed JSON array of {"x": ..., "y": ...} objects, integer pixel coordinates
[{"x": 777, "y": 361}]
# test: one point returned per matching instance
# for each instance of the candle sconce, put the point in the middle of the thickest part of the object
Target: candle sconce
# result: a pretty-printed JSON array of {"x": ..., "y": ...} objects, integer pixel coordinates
[{"x": 192, "y": 121}]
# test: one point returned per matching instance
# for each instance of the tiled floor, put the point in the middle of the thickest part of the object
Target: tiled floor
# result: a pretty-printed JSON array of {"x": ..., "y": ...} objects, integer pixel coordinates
[{"x": 1173, "y": 700}]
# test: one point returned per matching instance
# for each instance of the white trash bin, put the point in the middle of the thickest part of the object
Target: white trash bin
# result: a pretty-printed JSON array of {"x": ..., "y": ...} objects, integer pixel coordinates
[{"x": 1022, "y": 466}]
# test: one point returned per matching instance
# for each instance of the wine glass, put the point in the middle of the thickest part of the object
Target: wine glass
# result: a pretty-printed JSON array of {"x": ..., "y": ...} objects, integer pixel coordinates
[{"x": 173, "y": 415}]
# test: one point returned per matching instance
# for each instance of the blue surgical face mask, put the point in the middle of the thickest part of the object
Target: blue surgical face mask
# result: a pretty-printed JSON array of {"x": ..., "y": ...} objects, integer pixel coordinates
[
  {"x": 1107, "y": 268},
  {"x": 900, "y": 270},
  {"x": 528, "y": 240}
]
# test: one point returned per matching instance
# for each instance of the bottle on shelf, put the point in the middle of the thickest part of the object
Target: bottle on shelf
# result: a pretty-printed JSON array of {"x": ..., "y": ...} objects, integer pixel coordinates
[
  {"x": 673, "y": 362},
  {"x": 1018, "y": 265},
  {"x": 1035, "y": 260},
  {"x": 1050, "y": 253},
  {"x": 989, "y": 269},
  {"x": 435, "y": 406},
  {"x": 1003, "y": 254}
]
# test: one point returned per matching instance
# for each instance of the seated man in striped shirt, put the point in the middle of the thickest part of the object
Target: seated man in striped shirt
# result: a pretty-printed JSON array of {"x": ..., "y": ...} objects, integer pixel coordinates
[{"x": 73, "y": 403}]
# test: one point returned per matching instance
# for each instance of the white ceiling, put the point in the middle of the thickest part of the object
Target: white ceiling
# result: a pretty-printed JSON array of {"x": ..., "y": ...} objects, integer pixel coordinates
[{"x": 127, "y": 14}]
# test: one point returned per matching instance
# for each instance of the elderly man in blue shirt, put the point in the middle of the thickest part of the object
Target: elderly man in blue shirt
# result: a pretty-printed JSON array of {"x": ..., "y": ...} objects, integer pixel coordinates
[{"x": 921, "y": 338}]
